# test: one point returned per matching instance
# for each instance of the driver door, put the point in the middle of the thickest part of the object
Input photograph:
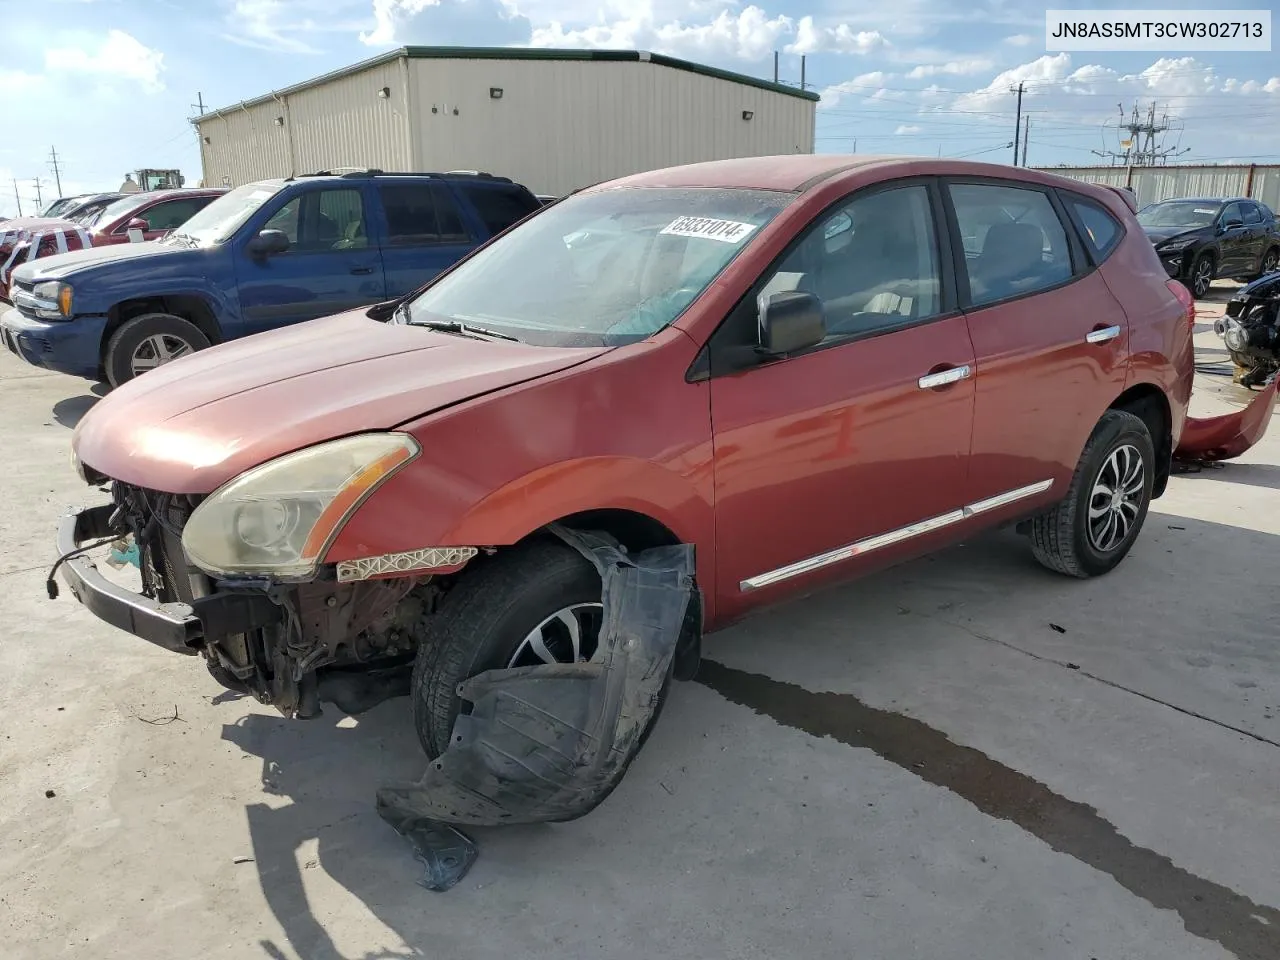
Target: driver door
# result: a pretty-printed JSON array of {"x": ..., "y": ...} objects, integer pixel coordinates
[{"x": 852, "y": 453}]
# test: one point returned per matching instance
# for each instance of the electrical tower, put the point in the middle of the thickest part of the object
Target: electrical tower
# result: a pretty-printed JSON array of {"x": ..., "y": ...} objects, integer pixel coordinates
[{"x": 1142, "y": 140}]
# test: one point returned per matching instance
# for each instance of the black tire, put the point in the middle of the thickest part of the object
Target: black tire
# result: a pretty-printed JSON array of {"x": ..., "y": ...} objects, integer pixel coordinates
[
  {"x": 133, "y": 334},
  {"x": 1203, "y": 271},
  {"x": 1270, "y": 263},
  {"x": 1061, "y": 539},
  {"x": 481, "y": 622}
]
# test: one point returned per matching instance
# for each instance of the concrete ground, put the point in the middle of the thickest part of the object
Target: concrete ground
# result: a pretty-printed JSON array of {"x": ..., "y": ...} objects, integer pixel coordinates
[{"x": 966, "y": 757}]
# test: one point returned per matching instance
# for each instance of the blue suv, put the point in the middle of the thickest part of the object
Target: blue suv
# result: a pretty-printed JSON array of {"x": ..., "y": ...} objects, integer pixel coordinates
[{"x": 263, "y": 255}]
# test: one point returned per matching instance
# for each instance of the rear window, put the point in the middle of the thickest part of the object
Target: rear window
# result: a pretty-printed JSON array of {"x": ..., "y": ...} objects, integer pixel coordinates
[
  {"x": 1101, "y": 231},
  {"x": 499, "y": 206}
]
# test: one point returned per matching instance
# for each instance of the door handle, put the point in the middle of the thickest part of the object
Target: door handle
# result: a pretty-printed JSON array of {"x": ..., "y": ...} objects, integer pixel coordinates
[
  {"x": 361, "y": 270},
  {"x": 1102, "y": 335},
  {"x": 943, "y": 378}
]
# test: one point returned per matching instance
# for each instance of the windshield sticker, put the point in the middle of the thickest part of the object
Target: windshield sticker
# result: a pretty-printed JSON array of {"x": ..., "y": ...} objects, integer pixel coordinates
[
  {"x": 1199, "y": 210},
  {"x": 726, "y": 231}
]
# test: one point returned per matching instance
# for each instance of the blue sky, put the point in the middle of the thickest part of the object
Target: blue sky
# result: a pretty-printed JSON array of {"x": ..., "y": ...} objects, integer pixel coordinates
[{"x": 111, "y": 83}]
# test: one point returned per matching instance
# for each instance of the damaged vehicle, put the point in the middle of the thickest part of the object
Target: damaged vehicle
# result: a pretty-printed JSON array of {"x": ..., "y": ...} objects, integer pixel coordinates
[
  {"x": 1250, "y": 330},
  {"x": 798, "y": 368}
]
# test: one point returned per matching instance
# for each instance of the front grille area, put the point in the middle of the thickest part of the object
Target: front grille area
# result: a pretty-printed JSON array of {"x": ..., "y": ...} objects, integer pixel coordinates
[{"x": 156, "y": 520}]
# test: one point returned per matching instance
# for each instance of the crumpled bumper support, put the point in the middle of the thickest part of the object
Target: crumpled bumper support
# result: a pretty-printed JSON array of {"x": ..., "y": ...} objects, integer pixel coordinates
[
  {"x": 1226, "y": 437},
  {"x": 549, "y": 743}
]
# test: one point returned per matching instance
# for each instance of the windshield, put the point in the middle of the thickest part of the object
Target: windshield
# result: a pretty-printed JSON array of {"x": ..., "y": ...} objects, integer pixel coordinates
[
  {"x": 1179, "y": 213},
  {"x": 57, "y": 207},
  {"x": 224, "y": 216},
  {"x": 601, "y": 269},
  {"x": 117, "y": 208}
]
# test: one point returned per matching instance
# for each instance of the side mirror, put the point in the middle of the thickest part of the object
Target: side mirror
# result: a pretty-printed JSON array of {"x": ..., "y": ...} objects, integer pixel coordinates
[
  {"x": 790, "y": 321},
  {"x": 1231, "y": 223},
  {"x": 269, "y": 242},
  {"x": 137, "y": 223}
]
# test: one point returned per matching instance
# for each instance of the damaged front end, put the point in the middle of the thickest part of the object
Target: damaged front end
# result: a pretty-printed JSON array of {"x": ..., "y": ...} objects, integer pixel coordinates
[
  {"x": 291, "y": 645},
  {"x": 1250, "y": 330}
]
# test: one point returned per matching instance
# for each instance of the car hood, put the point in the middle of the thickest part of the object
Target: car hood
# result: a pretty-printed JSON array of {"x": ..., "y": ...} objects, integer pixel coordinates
[
  {"x": 66, "y": 265},
  {"x": 1161, "y": 235},
  {"x": 192, "y": 425}
]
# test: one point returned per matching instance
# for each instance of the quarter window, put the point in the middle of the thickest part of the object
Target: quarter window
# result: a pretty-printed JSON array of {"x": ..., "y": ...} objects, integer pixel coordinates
[
  {"x": 1101, "y": 230},
  {"x": 1014, "y": 243},
  {"x": 499, "y": 206},
  {"x": 873, "y": 263}
]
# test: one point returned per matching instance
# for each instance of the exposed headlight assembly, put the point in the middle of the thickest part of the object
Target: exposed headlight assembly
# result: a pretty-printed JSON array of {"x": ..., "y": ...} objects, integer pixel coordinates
[{"x": 279, "y": 519}]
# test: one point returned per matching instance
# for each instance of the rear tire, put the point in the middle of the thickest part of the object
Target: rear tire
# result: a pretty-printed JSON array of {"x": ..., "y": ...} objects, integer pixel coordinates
[
  {"x": 148, "y": 341},
  {"x": 486, "y": 619},
  {"x": 1110, "y": 489}
]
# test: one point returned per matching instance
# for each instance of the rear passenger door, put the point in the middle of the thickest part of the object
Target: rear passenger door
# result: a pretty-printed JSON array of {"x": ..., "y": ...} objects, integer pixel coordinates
[
  {"x": 1049, "y": 339},
  {"x": 423, "y": 232}
]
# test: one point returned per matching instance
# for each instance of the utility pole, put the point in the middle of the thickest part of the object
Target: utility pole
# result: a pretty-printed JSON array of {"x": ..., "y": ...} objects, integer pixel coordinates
[
  {"x": 1026, "y": 138},
  {"x": 1017, "y": 123},
  {"x": 16, "y": 197},
  {"x": 199, "y": 104},
  {"x": 57, "y": 174},
  {"x": 39, "y": 199},
  {"x": 802, "y": 71},
  {"x": 775, "y": 66}
]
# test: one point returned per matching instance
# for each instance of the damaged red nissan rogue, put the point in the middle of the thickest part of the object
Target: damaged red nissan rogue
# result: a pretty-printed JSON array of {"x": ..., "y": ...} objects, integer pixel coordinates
[{"x": 803, "y": 368}]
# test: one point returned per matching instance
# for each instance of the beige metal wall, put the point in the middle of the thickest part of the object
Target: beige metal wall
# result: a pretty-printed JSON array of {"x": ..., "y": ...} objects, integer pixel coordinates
[
  {"x": 341, "y": 123},
  {"x": 1152, "y": 184},
  {"x": 563, "y": 124}
]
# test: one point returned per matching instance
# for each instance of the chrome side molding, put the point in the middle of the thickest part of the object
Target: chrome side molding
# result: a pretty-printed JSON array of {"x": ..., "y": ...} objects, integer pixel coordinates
[{"x": 883, "y": 540}]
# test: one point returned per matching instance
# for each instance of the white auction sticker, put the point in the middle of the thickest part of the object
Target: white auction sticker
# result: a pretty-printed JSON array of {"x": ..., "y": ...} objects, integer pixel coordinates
[{"x": 726, "y": 231}]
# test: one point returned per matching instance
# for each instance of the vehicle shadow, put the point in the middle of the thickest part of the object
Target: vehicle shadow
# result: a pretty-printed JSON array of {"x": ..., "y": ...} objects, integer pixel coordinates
[
  {"x": 895, "y": 631},
  {"x": 1265, "y": 475},
  {"x": 70, "y": 411}
]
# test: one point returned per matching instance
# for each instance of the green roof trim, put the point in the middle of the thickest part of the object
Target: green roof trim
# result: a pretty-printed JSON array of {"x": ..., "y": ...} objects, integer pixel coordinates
[{"x": 520, "y": 53}]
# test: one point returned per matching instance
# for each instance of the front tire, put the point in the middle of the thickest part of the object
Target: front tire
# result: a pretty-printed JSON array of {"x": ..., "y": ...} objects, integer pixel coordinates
[
  {"x": 149, "y": 341},
  {"x": 1270, "y": 263},
  {"x": 1094, "y": 527},
  {"x": 1202, "y": 273},
  {"x": 538, "y": 602}
]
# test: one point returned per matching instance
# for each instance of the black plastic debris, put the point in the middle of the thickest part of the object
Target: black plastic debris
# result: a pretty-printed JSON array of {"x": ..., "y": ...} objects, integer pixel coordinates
[{"x": 549, "y": 743}]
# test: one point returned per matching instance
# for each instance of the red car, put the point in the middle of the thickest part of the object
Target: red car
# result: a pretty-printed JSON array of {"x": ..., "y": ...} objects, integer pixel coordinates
[
  {"x": 27, "y": 238},
  {"x": 149, "y": 215},
  {"x": 806, "y": 367}
]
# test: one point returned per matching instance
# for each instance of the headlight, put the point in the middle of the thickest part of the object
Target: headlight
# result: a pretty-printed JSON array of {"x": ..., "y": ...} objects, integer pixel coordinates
[
  {"x": 1174, "y": 246},
  {"x": 1235, "y": 336},
  {"x": 57, "y": 295},
  {"x": 279, "y": 519}
]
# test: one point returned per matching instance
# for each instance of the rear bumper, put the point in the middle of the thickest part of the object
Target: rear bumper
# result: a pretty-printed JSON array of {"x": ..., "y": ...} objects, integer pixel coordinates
[
  {"x": 65, "y": 346},
  {"x": 179, "y": 627}
]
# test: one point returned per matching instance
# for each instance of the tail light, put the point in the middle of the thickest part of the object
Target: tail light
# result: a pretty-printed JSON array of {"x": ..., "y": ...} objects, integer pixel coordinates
[{"x": 1179, "y": 290}]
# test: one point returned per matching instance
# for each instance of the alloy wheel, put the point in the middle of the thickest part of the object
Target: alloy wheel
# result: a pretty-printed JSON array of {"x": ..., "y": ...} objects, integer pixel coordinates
[
  {"x": 1116, "y": 499},
  {"x": 569, "y": 635},
  {"x": 156, "y": 350},
  {"x": 1203, "y": 278},
  {"x": 1270, "y": 262}
]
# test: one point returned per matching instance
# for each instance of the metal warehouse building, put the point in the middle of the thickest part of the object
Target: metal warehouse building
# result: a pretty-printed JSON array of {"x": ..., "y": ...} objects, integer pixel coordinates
[{"x": 554, "y": 120}]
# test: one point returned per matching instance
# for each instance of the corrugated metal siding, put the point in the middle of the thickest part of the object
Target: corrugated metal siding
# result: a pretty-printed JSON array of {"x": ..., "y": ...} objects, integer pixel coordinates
[
  {"x": 560, "y": 125},
  {"x": 339, "y": 124},
  {"x": 1152, "y": 184}
]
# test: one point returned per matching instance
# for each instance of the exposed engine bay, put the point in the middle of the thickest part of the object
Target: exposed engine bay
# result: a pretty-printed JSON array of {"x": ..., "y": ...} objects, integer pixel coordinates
[
  {"x": 1250, "y": 329},
  {"x": 351, "y": 644}
]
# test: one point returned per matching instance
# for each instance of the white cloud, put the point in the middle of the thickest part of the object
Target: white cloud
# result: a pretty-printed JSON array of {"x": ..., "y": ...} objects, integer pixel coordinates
[
  {"x": 118, "y": 56},
  {"x": 907, "y": 128},
  {"x": 955, "y": 68},
  {"x": 1020, "y": 40},
  {"x": 842, "y": 38},
  {"x": 863, "y": 86}
]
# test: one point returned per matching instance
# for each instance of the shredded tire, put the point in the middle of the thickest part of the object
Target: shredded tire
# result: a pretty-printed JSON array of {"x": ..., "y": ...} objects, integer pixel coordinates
[{"x": 1060, "y": 537}]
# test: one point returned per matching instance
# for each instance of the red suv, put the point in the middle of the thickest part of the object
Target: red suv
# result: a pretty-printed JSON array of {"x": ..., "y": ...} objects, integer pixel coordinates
[
  {"x": 807, "y": 367},
  {"x": 149, "y": 215}
]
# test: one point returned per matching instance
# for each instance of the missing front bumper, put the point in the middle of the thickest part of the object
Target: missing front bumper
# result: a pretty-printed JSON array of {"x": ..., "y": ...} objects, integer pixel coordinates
[{"x": 179, "y": 627}]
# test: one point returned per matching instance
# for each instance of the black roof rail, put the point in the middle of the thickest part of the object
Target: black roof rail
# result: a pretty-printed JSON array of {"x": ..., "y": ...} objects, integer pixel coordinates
[{"x": 349, "y": 174}]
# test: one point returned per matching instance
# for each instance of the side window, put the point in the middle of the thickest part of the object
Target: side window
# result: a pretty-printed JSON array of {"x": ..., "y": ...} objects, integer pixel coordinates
[
  {"x": 1101, "y": 230},
  {"x": 1251, "y": 214},
  {"x": 1014, "y": 243},
  {"x": 499, "y": 206},
  {"x": 447, "y": 215},
  {"x": 1231, "y": 212},
  {"x": 322, "y": 220},
  {"x": 171, "y": 214},
  {"x": 873, "y": 263},
  {"x": 411, "y": 214}
]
